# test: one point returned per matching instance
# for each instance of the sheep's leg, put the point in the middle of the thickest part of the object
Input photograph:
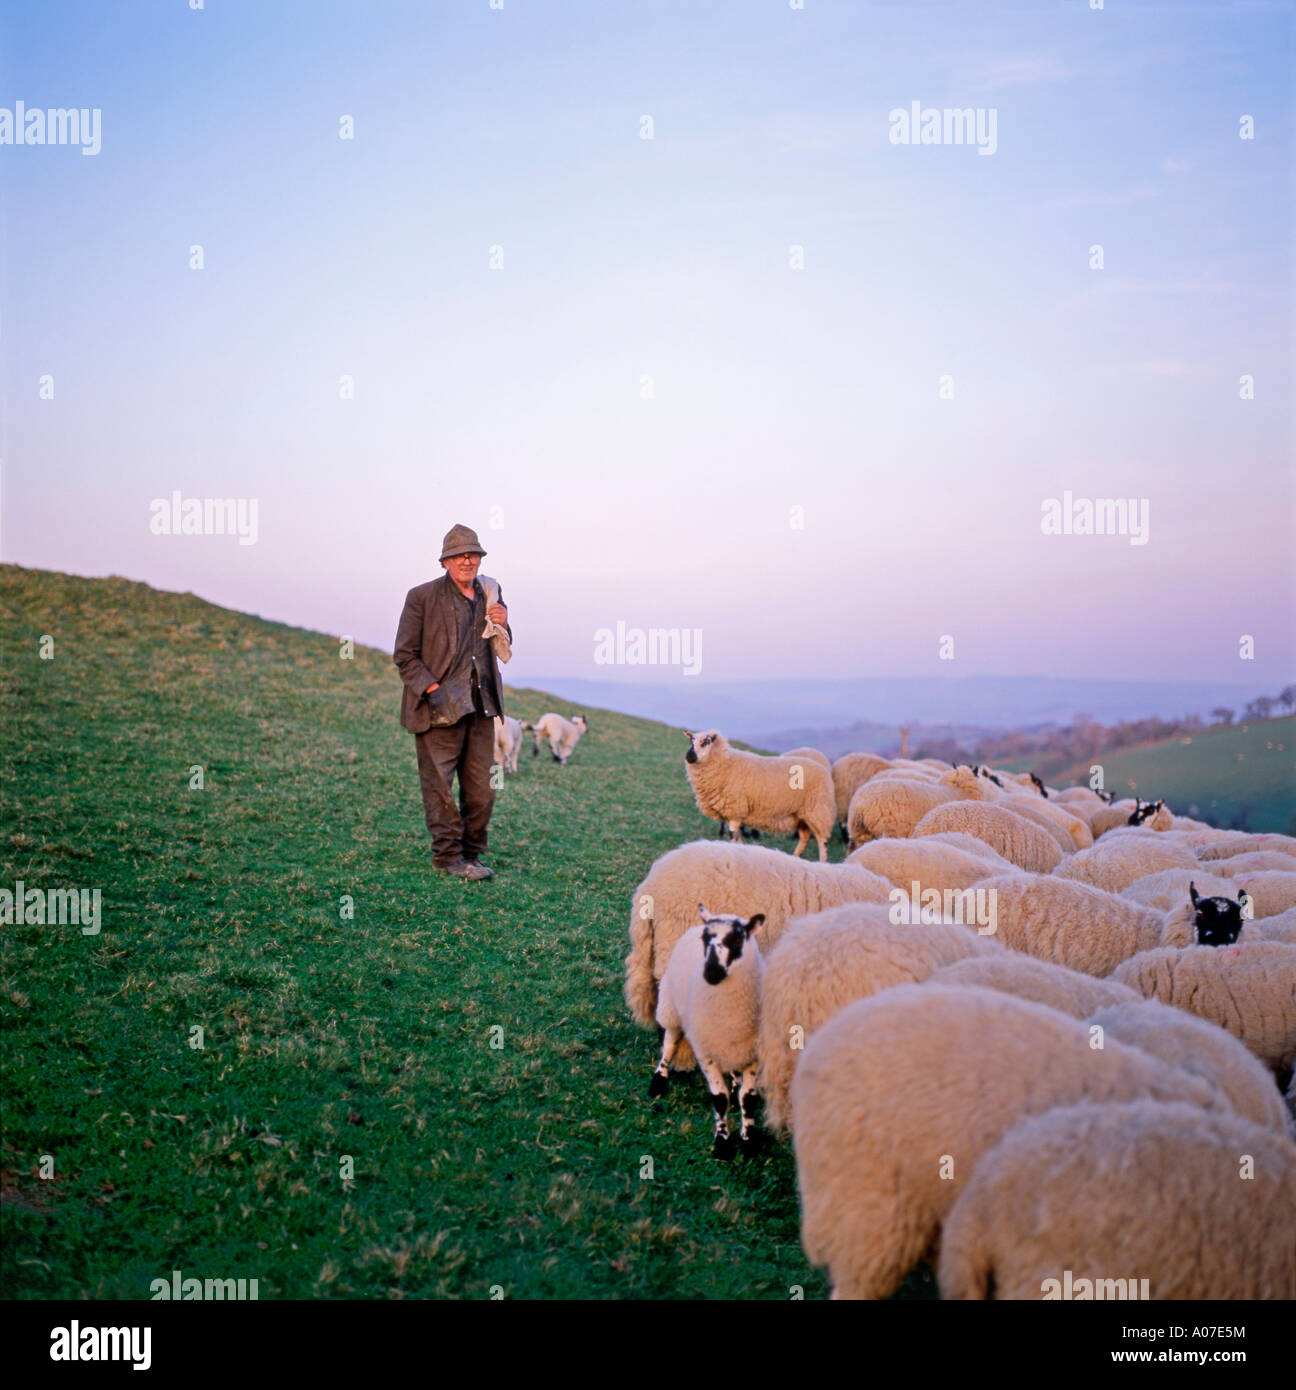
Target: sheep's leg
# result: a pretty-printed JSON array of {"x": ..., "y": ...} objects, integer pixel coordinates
[
  {"x": 747, "y": 1105},
  {"x": 735, "y": 830},
  {"x": 803, "y": 839},
  {"x": 715, "y": 1080},
  {"x": 823, "y": 849},
  {"x": 661, "y": 1072}
]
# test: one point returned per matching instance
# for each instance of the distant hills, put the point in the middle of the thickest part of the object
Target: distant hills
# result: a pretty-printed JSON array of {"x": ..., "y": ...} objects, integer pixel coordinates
[{"x": 866, "y": 713}]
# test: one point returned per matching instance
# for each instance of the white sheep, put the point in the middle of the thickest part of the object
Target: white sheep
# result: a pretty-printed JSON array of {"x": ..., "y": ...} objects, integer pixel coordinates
[
  {"x": 1168, "y": 888},
  {"x": 1119, "y": 858},
  {"x": 849, "y": 773},
  {"x": 812, "y": 753},
  {"x": 563, "y": 734},
  {"x": 823, "y": 962},
  {"x": 745, "y": 879},
  {"x": 1140, "y": 1200},
  {"x": 1111, "y": 816},
  {"x": 1202, "y": 1048},
  {"x": 1224, "y": 844},
  {"x": 1249, "y": 989},
  {"x": 1072, "y": 923},
  {"x": 1256, "y": 861},
  {"x": 1270, "y": 893},
  {"x": 508, "y": 742},
  {"x": 890, "y": 805},
  {"x": 782, "y": 795},
  {"x": 1069, "y": 825},
  {"x": 1082, "y": 800},
  {"x": 898, "y": 1097},
  {"x": 1039, "y": 981},
  {"x": 1027, "y": 845},
  {"x": 1281, "y": 927},
  {"x": 929, "y": 862},
  {"x": 711, "y": 995}
]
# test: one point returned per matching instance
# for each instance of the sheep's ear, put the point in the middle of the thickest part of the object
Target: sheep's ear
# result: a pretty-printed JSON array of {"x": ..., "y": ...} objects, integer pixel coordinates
[
  {"x": 1192, "y": 893},
  {"x": 1243, "y": 900},
  {"x": 755, "y": 922},
  {"x": 1160, "y": 802}
]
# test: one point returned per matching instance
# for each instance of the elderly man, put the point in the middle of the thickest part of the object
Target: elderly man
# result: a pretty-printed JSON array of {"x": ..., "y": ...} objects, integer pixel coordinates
[{"x": 452, "y": 695}]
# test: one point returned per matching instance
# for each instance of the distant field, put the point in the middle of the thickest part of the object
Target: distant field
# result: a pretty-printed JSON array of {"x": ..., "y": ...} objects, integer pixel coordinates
[
  {"x": 326, "y": 1036},
  {"x": 1242, "y": 777}
]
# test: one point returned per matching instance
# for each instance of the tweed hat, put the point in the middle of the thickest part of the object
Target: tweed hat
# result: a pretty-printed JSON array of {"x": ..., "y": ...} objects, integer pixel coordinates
[{"x": 460, "y": 540}]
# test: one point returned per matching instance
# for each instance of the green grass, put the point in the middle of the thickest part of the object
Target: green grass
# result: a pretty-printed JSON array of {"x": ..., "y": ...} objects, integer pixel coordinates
[
  {"x": 474, "y": 1167},
  {"x": 1242, "y": 777}
]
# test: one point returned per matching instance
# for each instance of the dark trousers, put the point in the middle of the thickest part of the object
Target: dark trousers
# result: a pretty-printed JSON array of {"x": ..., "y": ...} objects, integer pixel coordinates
[{"x": 466, "y": 748}]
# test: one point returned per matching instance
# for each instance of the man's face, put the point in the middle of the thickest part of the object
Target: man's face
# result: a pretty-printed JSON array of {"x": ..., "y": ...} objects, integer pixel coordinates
[{"x": 463, "y": 568}]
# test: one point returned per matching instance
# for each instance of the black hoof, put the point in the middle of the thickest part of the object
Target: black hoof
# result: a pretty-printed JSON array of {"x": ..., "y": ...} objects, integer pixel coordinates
[
  {"x": 657, "y": 1086},
  {"x": 750, "y": 1145},
  {"x": 724, "y": 1146}
]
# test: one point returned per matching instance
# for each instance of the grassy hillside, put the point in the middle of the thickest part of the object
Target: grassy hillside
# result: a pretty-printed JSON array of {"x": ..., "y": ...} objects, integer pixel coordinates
[
  {"x": 1242, "y": 777},
  {"x": 325, "y": 1037}
]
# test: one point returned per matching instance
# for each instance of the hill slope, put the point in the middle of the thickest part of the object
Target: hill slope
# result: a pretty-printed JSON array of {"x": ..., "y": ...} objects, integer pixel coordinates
[
  {"x": 325, "y": 1036},
  {"x": 1242, "y": 777}
]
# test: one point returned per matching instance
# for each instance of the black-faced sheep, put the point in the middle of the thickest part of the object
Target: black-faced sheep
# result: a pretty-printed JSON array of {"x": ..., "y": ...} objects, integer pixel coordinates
[{"x": 711, "y": 995}]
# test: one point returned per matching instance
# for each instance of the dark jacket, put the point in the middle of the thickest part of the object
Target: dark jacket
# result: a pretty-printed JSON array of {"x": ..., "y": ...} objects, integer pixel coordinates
[{"x": 426, "y": 647}]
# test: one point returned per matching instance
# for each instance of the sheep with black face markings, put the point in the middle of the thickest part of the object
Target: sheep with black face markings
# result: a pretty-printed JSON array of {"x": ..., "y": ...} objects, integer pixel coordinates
[
  {"x": 711, "y": 996},
  {"x": 740, "y": 878},
  {"x": 787, "y": 795}
]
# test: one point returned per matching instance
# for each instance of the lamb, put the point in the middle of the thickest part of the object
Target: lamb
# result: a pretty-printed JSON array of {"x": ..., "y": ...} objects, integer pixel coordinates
[
  {"x": 780, "y": 795},
  {"x": 928, "y": 862},
  {"x": 1040, "y": 981},
  {"x": 508, "y": 742},
  {"x": 898, "y": 1097},
  {"x": 889, "y": 806},
  {"x": 823, "y": 962},
  {"x": 1145, "y": 1190},
  {"x": 1118, "y": 860},
  {"x": 563, "y": 734},
  {"x": 1025, "y": 844},
  {"x": 849, "y": 773},
  {"x": 1193, "y": 1045},
  {"x": 711, "y": 995},
  {"x": 1248, "y": 989},
  {"x": 745, "y": 879}
]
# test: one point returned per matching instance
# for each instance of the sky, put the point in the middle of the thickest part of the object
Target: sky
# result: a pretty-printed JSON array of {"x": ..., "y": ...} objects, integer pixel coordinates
[{"x": 769, "y": 376}]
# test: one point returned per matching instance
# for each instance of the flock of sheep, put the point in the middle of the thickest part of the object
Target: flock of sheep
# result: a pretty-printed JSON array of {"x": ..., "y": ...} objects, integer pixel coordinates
[{"x": 1037, "y": 1036}]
